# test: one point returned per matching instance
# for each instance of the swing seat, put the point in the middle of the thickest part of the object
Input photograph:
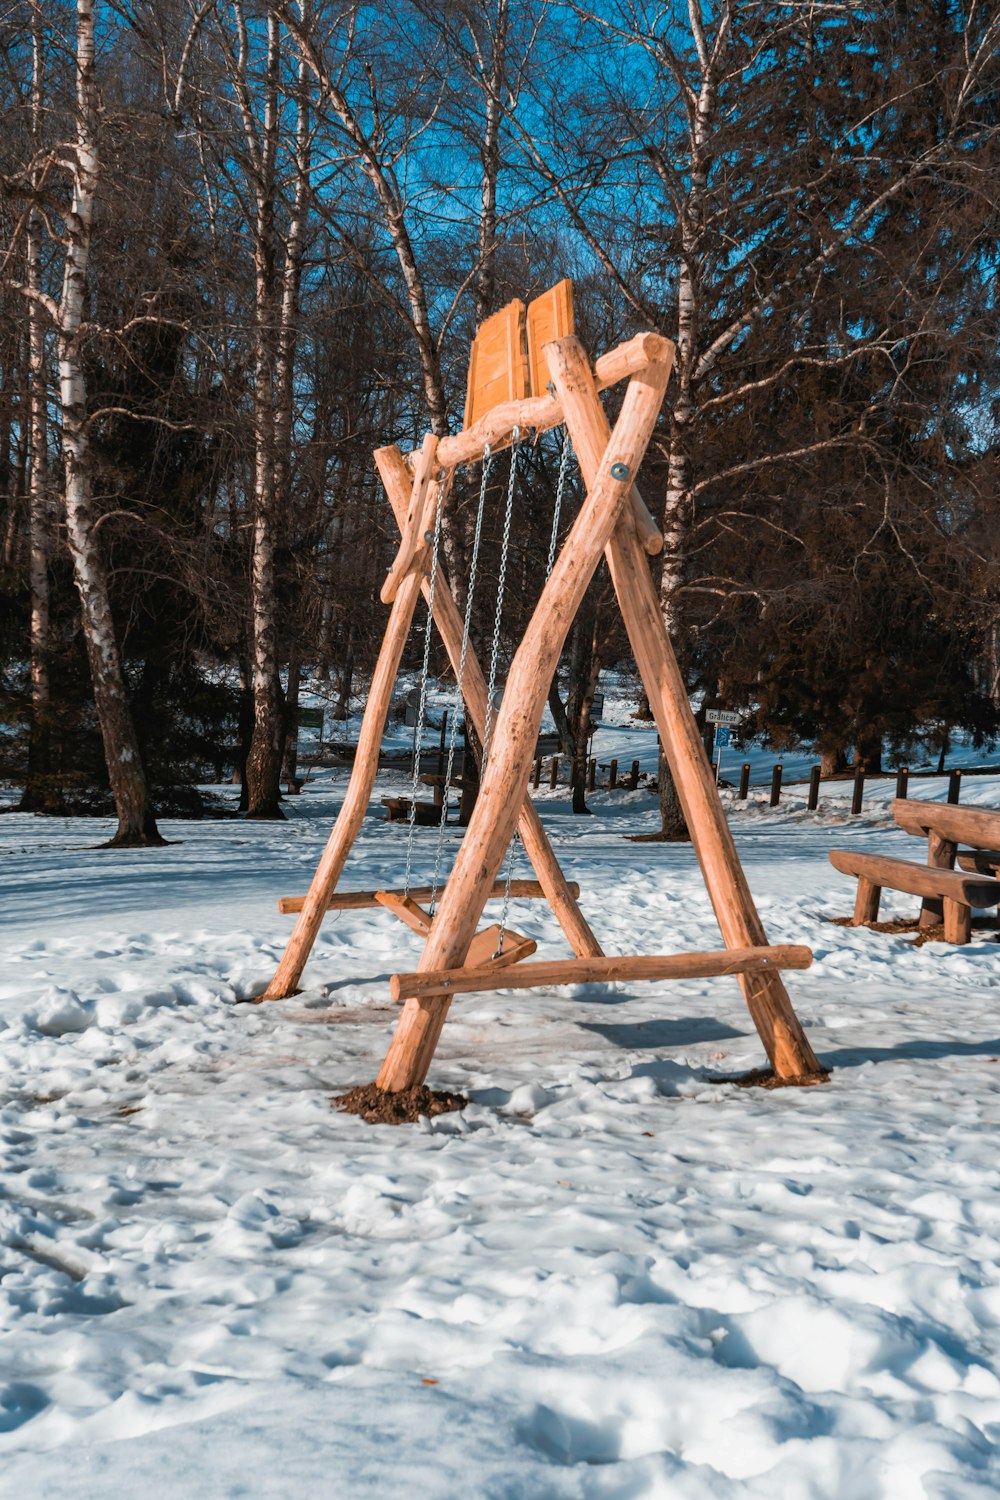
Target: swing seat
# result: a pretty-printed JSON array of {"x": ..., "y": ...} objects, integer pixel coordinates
[{"x": 483, "y": 948}]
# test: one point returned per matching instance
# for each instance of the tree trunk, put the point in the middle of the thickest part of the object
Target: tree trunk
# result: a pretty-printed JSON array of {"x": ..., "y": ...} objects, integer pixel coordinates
[
  {"x": 289, "y": 771},
  {"x": 673, "y": 826},
  {"x": 136, "y": 824},
  {"x": 268, "y": 741},
  {"x": 41, "y": 791}
]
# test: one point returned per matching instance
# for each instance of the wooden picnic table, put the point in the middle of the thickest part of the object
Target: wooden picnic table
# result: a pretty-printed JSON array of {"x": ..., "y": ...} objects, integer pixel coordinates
[{"x": 947, "y": 894}]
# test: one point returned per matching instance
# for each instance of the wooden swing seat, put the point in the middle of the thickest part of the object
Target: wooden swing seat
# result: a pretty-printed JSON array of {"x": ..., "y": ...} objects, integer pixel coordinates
[
  {"x": 483, "y": 948},
  {"x": 442, "y": 983}
]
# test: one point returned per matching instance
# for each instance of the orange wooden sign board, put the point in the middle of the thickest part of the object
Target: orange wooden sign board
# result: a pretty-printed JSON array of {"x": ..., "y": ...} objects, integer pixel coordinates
[
  {"x": 550, "y": 316},
  {"x": 498, "y": 363}
]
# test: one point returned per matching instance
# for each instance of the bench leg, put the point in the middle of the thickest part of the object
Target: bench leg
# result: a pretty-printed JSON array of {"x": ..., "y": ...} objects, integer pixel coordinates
[
  {"x": 867, "y": 902},
  {"x": 957, "y": 922},
  {"x": 940, "y": 856}
]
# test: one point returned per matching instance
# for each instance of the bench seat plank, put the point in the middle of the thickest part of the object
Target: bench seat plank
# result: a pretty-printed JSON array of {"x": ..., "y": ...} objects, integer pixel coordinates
[{"x": 918, "y": 880}]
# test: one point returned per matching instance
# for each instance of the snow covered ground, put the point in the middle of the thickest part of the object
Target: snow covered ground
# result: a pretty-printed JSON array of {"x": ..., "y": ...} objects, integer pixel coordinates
[{"x": 610, "y": 1277}]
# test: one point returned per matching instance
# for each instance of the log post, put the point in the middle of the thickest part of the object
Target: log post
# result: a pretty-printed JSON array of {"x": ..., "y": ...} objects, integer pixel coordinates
[
  {"x": 859, "y": 791},
  {"x": 554, "y": 773},
  {"x": 744, "y": 780},
  {"x": 633, "y": 780},
  {"x": 902, "y": 781},
  {"x": 776, "y": 786},
  {"x": 767, "y": 999},
  {"x": 612, "y": 775},
  {"x": 538, "y": 773},
  {"x": 813, "y": 800},
  {"x": 506, "y": 774},
  {"x": 954, "y": 785}
]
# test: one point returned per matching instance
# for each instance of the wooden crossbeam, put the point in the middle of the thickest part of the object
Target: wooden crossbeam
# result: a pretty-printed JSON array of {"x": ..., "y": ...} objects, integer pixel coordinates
[
  {"x": 419, "y": 519},
  {"x": 432, "y": 983},
  {"x": 406, "y": 909},
  {"x": 520, "y": 890},
  {"x": 540, "y": 413}
]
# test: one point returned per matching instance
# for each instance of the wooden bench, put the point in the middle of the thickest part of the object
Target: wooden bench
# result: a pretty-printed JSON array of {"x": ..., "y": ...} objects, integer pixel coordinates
[
  {"x": 957, "y": 892},
  {"x": 945, "y": 826}
]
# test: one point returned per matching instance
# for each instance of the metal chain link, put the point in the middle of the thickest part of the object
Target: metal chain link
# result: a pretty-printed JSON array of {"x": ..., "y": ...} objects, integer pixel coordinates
[
  {"x": 501, "y": 585},
  {"x": 564, "y": 458},
  {"x": 425, "y": 669},
  {"x": 460, "y": 675}
]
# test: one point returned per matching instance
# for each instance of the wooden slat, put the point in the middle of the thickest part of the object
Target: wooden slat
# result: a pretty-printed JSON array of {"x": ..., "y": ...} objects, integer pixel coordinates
[
  {"x": 977, "y": 826},
  {"x": 406, "y": 909},
  {"x": 505, "y": 779},
  {"x": 549, "y": 317},
  {"x": 483, "y": 948},
  {"x": 917, "y": 880},
  {"x": 520, "y": 890},
  {"x": 428, "y": 983},
  {"x": 981, "y": 861},
  {"x": 498, "y": 363}
]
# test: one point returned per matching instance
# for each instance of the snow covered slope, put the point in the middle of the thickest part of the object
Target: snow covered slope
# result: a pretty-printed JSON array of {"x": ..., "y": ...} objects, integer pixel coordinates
[{"x": 610, "y": 1277}]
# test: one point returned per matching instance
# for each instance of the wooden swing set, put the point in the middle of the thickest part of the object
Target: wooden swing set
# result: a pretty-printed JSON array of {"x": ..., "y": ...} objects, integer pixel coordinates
[{"x": 528, "y": 373}]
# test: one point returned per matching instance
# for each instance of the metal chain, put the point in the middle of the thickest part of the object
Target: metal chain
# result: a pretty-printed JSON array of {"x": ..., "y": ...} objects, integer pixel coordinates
[
  {"x": 564, "y": 457},
  {"x": 460, "y": 675},
  {"x": 424, "y": 671},
  {"x": 501, "y": 585},
  {"x": 566, "y": 454}
]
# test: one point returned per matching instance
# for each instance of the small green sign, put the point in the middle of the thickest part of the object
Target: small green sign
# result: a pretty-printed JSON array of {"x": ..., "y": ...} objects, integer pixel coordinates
[{"x": 310, "y": 718}]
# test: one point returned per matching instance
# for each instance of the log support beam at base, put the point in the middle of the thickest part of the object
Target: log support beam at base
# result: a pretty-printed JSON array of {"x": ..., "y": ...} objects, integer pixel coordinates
[{"x": 433, "y": 984}]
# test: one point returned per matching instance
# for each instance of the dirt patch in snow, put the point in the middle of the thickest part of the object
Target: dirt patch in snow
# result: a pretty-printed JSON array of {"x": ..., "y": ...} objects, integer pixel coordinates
[
  {"x": 922, "y": 935},
  {"x": 766, "y": 1078},
  {"x": 380, "y": 1107}
]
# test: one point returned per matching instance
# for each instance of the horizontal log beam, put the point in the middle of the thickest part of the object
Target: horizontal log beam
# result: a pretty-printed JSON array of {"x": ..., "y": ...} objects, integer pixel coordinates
[
  {"x": 917, "y": 880},
  {"x": 978, "y": 826},
  {"x": 520, "y": 890},
  {"x": 465, "y": 981},
  {"x": 540, "y": 413}
]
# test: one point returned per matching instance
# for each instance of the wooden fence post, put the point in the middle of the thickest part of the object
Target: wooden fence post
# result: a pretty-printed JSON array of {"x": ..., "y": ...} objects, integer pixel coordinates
[
  {"x": 538, "y": 771},
  {"x": 591, "y": 774},
  {"x": 859, "y": 791},
  {"x": 744, "y": 780},
  {"x": 954, "y": 785},
  {"x": 554, "y": 772},
  {"x": 633, "y": 781},
  {"x": 902, "y": 781},
  {"x": 441, "y": 743},
  {"x": 813, "y": 801},
  {"x": 612, "y": 775},
  {"x": 776, "y": 786}
]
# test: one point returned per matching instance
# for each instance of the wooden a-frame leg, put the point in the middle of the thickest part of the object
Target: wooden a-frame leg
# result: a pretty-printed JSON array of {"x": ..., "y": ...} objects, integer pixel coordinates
[
  {"x": 505, "y": 779},
  {"x": 767, "y": 999},
  {"x": 940, "y": 856},
  {"x": 362, "y": 780},
  {"x": 450, "y": 628},
  {"x": 867, "y": 902},
  {"x": 359, "y": 788}
]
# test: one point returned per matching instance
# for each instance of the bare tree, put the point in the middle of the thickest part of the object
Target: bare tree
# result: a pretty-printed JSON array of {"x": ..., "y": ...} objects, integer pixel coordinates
[{"x": 79, "y": 158}]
